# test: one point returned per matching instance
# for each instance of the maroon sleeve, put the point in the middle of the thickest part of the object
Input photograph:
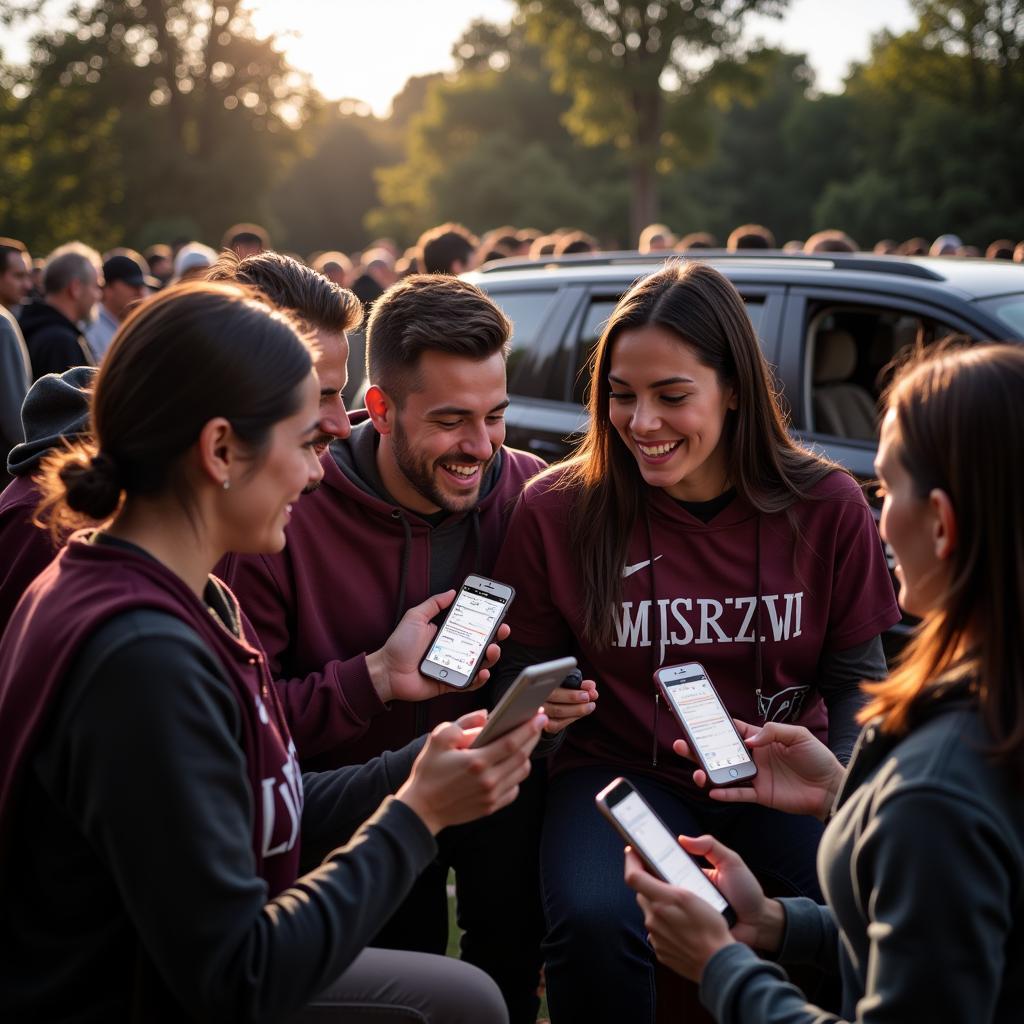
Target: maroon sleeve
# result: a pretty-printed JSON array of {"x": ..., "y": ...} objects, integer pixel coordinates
[
  {"x": 863, "y": 603},
  {"x": 27, "y": 551},
  {"x": 325, "y": 709},
  {"x": 524, "y": 562}
]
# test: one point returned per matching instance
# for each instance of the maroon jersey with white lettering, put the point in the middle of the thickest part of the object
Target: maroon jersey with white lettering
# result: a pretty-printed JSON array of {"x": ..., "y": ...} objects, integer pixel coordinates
[{"x": 752, "y": 599}]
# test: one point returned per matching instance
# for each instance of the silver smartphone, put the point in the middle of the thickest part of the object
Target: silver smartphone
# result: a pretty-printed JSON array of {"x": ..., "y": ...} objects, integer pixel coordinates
[
  {"x": 635, "y": 820},
  {"x": 532, "y": 687},
  {"x": 472, "y": 621},
  {"x": 706, "y": 723}
]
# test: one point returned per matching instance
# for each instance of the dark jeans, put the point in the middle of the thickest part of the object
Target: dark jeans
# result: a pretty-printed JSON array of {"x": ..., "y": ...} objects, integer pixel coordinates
[
  {"x": 497, "y": 885},
  {"x": 598, "y": 963}
]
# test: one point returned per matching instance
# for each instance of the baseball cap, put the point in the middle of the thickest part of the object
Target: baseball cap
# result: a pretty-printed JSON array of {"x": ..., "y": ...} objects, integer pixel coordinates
[{"x": 124, "y": 268}]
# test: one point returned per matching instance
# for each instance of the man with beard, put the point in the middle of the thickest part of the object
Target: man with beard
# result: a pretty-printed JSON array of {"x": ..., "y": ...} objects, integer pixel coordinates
[
  {"x": 327, "y": 310},
  {"x": 417, "y": 497}
]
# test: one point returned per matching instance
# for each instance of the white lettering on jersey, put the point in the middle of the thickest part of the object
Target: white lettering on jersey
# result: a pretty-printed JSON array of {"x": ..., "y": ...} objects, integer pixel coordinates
[
  {"x": 630, "y": 569},
  {"x": 683, "y": 621},
  {"x": 288, "y": 787}
]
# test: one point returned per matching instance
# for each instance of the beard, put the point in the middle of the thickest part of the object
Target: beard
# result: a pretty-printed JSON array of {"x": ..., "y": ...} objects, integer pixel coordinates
[{"x": 422, "y": 473}]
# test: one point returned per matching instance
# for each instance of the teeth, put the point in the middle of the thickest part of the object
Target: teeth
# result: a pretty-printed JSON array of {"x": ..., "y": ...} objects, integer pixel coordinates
[
  {"x": 461, "y": 470},
  {"x": 288, "y": 509},
  {"x": 658, "y": 449}
]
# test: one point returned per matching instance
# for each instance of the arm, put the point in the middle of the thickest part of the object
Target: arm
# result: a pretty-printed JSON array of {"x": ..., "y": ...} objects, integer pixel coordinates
[
  {"x": 169, "y": 799},
  {"x": 13, "y": 387},
  {"x": 840, "y": 674}
]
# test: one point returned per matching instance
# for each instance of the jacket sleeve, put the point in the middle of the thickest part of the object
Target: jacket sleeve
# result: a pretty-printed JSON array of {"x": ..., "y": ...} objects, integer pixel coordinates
[
  {"x": 840, "y": 674},
  {"x": 13, "y": 386},
  {"x": 931, "y": 864},
  {"x": 167, "y": 806},
  {"x": 325, "y": 709}
]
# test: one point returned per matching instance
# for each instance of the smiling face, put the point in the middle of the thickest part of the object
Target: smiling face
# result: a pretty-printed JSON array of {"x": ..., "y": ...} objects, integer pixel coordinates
[
  {"x": 257, "y": 507},
  {"x": 910, "y": 525},
  {"x": 435, "y": 450},
  {"x": 669, "y": 410},
  {"x": 330, "y": 358}
]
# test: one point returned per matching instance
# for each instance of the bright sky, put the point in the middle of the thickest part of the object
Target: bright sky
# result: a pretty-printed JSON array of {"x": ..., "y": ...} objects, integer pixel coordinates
[{"x": 366, "y": 49}]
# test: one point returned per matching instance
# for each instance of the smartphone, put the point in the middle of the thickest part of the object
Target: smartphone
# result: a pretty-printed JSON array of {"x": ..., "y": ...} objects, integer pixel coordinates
[
  {"x": 655, "y": 844},
  {"x": 706, "y": 723},
  {"x": 472, "y": 621},
  {"x": 532, "y": 687}
]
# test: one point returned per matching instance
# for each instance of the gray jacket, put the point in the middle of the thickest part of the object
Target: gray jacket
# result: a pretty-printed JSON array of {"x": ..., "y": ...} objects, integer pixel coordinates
[
  {"x": 15, "y": 376},
  {"x": 923, "y": 869}
]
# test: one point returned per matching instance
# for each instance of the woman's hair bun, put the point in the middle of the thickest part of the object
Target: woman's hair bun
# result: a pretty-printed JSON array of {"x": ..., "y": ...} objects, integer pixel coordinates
[{"x": 93, "y": 485}]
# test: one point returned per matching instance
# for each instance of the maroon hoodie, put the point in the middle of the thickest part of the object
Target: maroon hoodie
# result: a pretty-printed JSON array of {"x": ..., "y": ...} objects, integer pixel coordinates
[
  {"x": 27, "y": 549},
  {"x": 88, "y": 584},
  {"x": 740, "y": 594},
  {"x": 352, "y": 566}
]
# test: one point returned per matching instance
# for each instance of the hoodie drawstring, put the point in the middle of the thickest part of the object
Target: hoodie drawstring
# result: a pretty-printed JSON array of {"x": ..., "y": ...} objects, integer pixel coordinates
[
  {"x": 403, "y": 579},
  {"x": 656, "y": 647}
]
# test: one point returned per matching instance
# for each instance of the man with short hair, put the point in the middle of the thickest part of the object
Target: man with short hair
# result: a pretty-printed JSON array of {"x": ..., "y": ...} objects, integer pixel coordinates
[
  {"x": 125, "y": 282},
  {"x": 447, "y": 249},
  {"x": 656, "y": 238},
  {"x": 417, "y": 497},
  {"x": 15, "y": 367},
  {"x": 750, "y": 236},
  {"x": 325, "y": 308},
  {"x": 71, "y": 289}
]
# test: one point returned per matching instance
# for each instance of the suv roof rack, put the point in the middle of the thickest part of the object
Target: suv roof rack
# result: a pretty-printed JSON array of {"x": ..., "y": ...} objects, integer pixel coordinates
[{"x": 764, "y": 257}]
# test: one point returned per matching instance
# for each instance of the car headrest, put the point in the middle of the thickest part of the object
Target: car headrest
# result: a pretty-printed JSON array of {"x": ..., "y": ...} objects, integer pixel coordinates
[{"x": 835, "y": 356}]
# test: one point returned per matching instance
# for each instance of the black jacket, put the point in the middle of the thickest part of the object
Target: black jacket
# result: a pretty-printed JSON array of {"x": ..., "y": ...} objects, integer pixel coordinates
[
  {"x": 54, "y": 342},
  {"x": 923, "y": 869}
]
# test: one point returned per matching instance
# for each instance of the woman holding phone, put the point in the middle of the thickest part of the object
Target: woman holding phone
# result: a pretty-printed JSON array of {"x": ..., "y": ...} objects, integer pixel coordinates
[
  {"x": 161, "y": 855},
  {"x": 923, "y": 858},
  {"x": 688, "y": 527}
]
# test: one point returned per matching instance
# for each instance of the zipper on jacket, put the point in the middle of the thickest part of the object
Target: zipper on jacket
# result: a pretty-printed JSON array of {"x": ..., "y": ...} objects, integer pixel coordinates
[{"x": 654, "y": 744}]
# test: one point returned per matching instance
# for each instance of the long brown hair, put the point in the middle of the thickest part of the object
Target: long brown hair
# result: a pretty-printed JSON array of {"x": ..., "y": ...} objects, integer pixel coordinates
[
  {"x": 960, "y": 431},
  {"x": 767, "y": 468}
]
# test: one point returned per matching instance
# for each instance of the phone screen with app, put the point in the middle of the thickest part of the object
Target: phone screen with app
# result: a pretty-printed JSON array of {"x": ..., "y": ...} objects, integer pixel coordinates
[
  {"x": 462, "y": 639},
  {"x": 707, "y": 721}
]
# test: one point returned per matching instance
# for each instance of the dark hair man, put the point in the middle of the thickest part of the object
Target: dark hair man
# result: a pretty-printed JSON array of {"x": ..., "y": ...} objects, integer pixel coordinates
[
  {"x": 246, "y": 239},
  {"x": 71, "y": 289},
  {"x": 161, "y": 262},
  {"x": 750, "y": 236},
  {"x": 447, "y": 249},
  {"x": 15, "y": 366},
  {"x": 125, "y": 282},
  {"x": 325, "y": 308},
  {"x": 576, "y": 241},
  {"x": 412, "y": 501}
]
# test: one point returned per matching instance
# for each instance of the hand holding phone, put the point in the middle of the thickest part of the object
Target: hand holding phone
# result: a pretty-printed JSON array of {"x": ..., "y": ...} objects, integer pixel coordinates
[
  {"x": 635, "y": 820},
  {"x": 707, "y": 725},
  {"x": 457, "y": 651}
]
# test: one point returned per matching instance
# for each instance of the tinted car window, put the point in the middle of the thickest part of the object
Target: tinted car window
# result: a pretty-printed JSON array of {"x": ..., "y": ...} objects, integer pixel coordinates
[
  {"x": 527, "y": 310},
  {"x": 594, "y": 320},
  {"x": 1009, "y": 309}
]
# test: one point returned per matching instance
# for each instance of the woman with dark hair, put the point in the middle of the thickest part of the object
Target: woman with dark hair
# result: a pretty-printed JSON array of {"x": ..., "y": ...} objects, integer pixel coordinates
[
  {"x": 688, "y": 527},
  {"x": 161, "y": 855},
  {"x": 922, "y": 861}
]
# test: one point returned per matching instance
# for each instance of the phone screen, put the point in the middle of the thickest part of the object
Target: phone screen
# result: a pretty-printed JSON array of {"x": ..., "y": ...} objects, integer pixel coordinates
[
  {"x": 465, "y": 632},
  {"x": 707, "y": 721},
  {"x": 661, "y": 848}
]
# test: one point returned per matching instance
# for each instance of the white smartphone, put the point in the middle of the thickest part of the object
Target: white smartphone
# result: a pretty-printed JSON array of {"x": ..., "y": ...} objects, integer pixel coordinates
[
  {"x": 472, "y": 621},
  {"x": 532, "y": 687},
  {"x": 706, "y": 723},
  {"x": 656, "y": 846}
]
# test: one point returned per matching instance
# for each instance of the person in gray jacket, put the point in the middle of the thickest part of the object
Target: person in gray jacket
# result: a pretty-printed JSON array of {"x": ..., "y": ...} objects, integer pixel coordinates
[
  {"x": 922, "y": 862},
  {"x": 15, "y": 366}
]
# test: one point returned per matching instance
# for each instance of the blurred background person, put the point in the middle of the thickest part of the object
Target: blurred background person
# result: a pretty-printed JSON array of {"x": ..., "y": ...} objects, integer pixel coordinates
[
  {"x": 161, "y": 262},
  {"x": 447, "y": 249},
  {"x": 15, "y": 365},
  {"x": 376, "y": 274},
  {"x": 246, "y": 239},
  {"x": 576, "y": 241},
  {"x": 656, "y": 238},
  {"x": 335, "y": 266},
  {"x": 1000, "y": 249},
  {"x": 696, "y": 240},
  {"x": 53, "y": 326},
  {"x": 830, "y": 240},
  {"x": 192, "y": 262},
  {"x": 750, "y": 236},
  {"x": 125, "y": 282}
]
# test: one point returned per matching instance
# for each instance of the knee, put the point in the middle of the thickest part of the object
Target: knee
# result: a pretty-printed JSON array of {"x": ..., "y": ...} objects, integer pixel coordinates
[{"x": 464, "y": 994}]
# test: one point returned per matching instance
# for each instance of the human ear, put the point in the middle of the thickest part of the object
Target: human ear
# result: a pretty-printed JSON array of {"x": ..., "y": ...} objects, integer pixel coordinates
[
  {"x": 380, "y": 408},
  {"x": 943, "y": 523},
  {"x": 219, "y": 452}
]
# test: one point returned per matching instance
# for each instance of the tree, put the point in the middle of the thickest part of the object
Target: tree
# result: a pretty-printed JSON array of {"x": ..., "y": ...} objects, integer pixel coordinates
[
  {"x": 616, "y": 58},
  {"x": 138, "y": 112}
]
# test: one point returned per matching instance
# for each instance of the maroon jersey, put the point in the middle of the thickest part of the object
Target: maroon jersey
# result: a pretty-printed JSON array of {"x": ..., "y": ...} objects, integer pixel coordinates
[{"x": 755, "y": 602}]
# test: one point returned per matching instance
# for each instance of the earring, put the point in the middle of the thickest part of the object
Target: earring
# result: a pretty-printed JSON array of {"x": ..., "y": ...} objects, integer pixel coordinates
[{"x": 226, "y": 485}]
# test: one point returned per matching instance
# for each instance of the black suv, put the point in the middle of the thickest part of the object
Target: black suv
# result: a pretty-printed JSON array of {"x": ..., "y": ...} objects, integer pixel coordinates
[{"x": 829, "y": 324}]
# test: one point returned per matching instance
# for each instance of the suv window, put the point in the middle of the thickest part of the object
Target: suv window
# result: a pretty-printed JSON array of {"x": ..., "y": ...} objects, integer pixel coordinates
[
  {"x": 527, "y": 310},
  {"x": 851, "y": 351},
  {"x": 594, "y": 320}
]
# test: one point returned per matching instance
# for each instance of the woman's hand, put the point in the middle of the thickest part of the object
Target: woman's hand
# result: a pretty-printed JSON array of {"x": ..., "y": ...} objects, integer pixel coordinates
[
  {"x": 565, "y": 706},
  {"x": 795, "y": 771},
  {"x": 451, "y": 784},
  {"x": 685, "y": 931},
  {"x": 395, "y": 668}
]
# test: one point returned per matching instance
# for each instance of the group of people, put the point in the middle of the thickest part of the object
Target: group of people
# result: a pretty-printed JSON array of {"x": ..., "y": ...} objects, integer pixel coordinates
[{"x": 228, "y": 792}]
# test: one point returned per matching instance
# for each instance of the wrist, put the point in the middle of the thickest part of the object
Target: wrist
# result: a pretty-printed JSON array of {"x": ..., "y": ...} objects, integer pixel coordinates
[
  {"x": 380, "y": 677},
  {"x": 771, "y": 926},
  {"x": 831, "y": 792},
  {"x": 413, "y": 800}
]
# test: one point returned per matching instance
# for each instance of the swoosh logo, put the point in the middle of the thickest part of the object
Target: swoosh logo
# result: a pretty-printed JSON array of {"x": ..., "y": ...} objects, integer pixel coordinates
[{"x": 630, "y": 569}]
